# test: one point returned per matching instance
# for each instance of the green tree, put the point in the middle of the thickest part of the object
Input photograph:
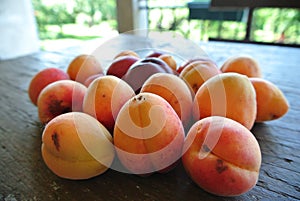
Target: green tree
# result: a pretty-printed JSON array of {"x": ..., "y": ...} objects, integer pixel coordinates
[
  {"x": 59, "y": 16},
  {"x": 90, "y": 7},
  {"x": 283, "y": 22},
  {"x": 56, "y": 14}
]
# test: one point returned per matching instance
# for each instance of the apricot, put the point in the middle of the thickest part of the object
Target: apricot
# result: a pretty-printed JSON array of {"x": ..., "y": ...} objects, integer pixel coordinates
[
  {"x": 271, "y": 102},
  {"x": 83, "y": 66},
  {"x": 245, "y": 65},
  {"x": 141, "y": 70},
  {"x": 229, "y": 95},
  {"x": 60, "y": 97},
  {"x": 175, "y": 91},
  {"x": 197, "y": 72},
  {"x": 42, "y": 79},
  {"x": 105, "y": 97},
  {"x": 90, "y": 79},
  {"x": 148, "y": 135},
  {"x": 170, "y": 60},
  {"x": 222, "y": 156},
  {"x": 127, "y": 53},
  {"x": 76, "y": 146},
  {"x": 120, "y": 65},
  {"x": 154, "y": 53},
  {"x": 189, "y": 61}
]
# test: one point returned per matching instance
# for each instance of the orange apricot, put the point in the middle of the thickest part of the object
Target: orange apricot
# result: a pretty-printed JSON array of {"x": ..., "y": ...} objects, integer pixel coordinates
[
  {"x": 83, "y": 66},
  {"x": 60, "y": 97},
  {"x": 175, "y": 91},
  {"x": 271, "y": 102},
  {"x": 170, "y": 60},
  {"x": 245, "y": 65},
  {"x": 197, "y": 72},
  {"x": 229, "y": 95},
  {"x": 76, "y": 146},
  {"x": 148, "y": 135},
  {"x": 127, "y": 53},
  {"x": 222, "y": 156},
  {"x": 42, "y": 79},
  {"x": 104, "y": 98}
]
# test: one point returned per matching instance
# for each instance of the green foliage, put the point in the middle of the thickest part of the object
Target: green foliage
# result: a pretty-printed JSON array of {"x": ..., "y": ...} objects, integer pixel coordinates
[
  {"x": 90, "y": 7},
  {"x": 269, "y": 25},
  {"x": 279, "y": 23},
  {"x": 56, "y": 14},
  {"x": 66, "y": 12},
  {"x": 59, "y": 14}
]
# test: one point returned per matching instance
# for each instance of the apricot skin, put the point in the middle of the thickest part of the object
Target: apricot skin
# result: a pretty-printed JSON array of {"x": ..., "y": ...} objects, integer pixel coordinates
[
  {"x": 104, "y": 98},
  {"x": 228, "y": 94},
  {"x": 244, "y": 65},
  {"x": 222, "y": 156},
  {"x": 60, "y": 97},
  {"x": 148, "y": 135},
  {"x": 175, "y": 91},
  {"x": 169, "y": 59},
  {"x": 127, "y": 53},
  {"x": 141, "y": 70},
  {"x": 42, "y": 79},
  {"x": 271, "y": 102},
  {"x": 76, "y": 146},
  {"x": 197, "y": 72},
  {"x": 189, "y": 61},
  {"x": 90, "y": 79},
  {"x": 82, "y": 67},
  {"x": 120, "y": 65}
]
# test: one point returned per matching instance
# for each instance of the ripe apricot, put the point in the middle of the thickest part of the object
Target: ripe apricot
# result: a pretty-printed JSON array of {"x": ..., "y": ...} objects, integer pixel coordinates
[
  {"x": 148, "y": 135},
  {"x": 222, "y": 156},
  {"x": 77, "y": 146},
  {"x": 154, "y": 53},
  {"x": 175, "y": 91},
  {"x": 42, "y": 79},
  {"x": 169, "y": 59},
  {"x": 60, "y": 97},
  {"x": 227, "y": 94},
  {"x": 120, "y": 65},
  {"x": 127, "y": 53},
  {"x": 90, "y": 79},
  {"x": 244, "y": 65},
  {"x": 83, "y": 66},
  {"x": 141, "y": 70},
  {"x": 271, "y": 102},
  {"x": 104, "y": 98},
  {"x": 191, "y": 60},
  {"x": 197, "y": 72}
]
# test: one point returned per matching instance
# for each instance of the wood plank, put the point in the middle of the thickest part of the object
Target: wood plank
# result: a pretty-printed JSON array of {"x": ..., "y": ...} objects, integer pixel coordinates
[{"x": 287, "y": 184}]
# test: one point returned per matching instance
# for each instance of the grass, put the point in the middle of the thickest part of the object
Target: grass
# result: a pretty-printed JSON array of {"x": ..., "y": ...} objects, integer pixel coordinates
[{"x": 55, "y": 37}]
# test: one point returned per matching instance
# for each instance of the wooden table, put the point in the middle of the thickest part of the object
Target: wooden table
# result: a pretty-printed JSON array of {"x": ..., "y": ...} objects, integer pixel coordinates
[{"x": 24, "y": 176}]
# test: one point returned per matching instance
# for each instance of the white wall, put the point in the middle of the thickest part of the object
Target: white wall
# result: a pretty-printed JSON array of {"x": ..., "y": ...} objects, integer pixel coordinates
[{"x": 18, "y": 35}]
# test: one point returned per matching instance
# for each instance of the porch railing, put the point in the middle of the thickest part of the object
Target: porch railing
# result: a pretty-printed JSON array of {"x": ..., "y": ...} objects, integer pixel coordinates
[{"x": 197, "y": 20}]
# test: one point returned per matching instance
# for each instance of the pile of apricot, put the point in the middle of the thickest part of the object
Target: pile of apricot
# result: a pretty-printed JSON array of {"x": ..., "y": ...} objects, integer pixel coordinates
[{"x": 151, "y": 112}]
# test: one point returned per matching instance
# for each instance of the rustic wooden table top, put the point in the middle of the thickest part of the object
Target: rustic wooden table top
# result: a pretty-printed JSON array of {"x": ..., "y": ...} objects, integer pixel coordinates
[{"x": 24, "y": 176}]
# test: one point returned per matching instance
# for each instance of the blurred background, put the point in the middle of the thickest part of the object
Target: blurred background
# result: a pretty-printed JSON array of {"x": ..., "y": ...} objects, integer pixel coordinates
[{"x": 68, "y": 22}]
